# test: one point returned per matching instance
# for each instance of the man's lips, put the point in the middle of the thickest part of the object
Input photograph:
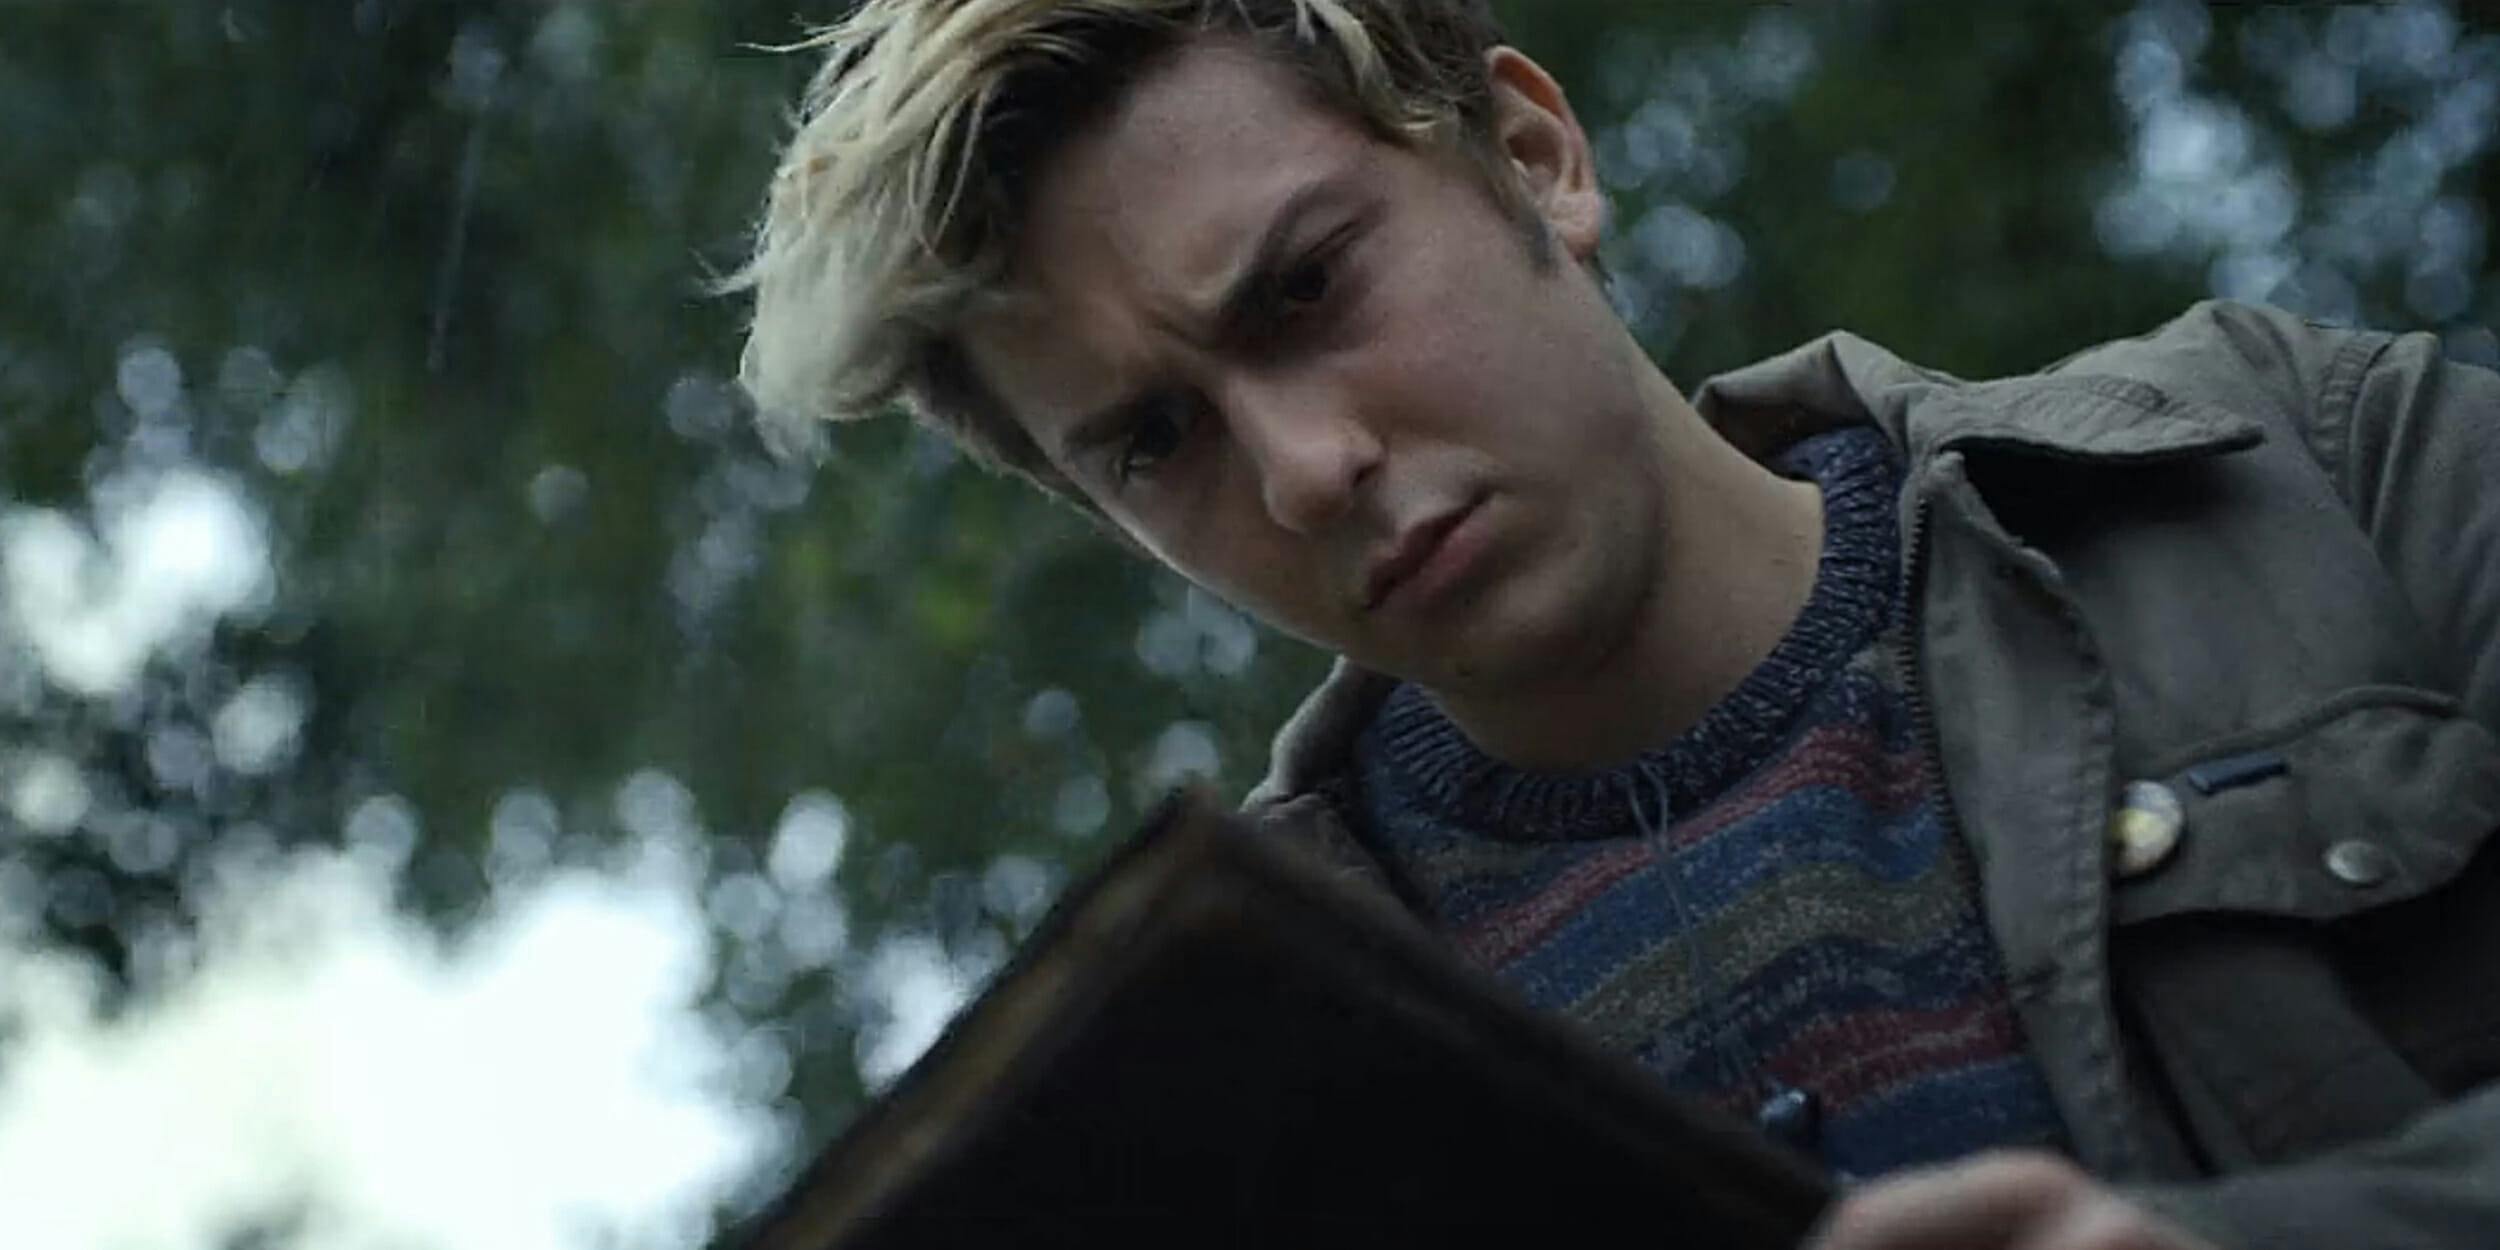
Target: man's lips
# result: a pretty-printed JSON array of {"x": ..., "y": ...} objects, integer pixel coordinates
[{"x": 1412, "y": 551}]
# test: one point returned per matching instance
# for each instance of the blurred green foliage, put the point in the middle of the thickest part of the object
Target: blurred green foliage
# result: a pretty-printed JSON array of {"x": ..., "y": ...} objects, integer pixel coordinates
[{"x": 433, "y": 276}]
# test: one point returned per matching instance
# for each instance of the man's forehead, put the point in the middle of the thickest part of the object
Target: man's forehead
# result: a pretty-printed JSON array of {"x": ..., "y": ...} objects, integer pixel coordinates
[
  {"x": 1194, "y": 161},
  {"x": 1140, "y": 225},
  {"x": 1174, "y": 255}
]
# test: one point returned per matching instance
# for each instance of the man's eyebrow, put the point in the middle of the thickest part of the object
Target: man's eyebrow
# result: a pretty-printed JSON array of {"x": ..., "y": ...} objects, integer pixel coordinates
[
  {"x": 1105, "y": 424},
  {"x": 1243, "y": 296},
  {"x": 1238, "y": 307}
]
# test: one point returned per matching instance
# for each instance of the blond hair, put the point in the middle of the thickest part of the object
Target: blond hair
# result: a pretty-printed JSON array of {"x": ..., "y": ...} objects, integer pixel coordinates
[{"x": 898, "y": 197}]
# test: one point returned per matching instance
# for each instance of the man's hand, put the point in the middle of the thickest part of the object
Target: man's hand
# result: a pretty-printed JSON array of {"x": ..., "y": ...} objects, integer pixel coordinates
[{"x": 2000, "y": 1201}]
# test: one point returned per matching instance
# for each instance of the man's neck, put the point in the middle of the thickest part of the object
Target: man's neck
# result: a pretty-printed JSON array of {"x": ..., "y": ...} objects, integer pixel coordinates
[{"x": 1738, "y": 562}]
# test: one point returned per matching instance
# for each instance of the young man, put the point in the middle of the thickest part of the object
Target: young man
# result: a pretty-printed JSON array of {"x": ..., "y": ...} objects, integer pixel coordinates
[{"x": 2055, "y": 802}]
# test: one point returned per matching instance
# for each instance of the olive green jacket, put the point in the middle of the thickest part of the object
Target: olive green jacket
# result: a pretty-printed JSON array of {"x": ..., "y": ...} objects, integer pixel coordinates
[{"x": 2254, "y": 564}]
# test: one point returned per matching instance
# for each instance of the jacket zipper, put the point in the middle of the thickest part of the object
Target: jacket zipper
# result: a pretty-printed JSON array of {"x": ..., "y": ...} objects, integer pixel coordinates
[{"x": 1912, "y": 656}]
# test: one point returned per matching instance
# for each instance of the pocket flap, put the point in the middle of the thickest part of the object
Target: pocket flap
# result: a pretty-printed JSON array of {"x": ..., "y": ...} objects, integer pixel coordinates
[{"x": 2383, "y": 796}]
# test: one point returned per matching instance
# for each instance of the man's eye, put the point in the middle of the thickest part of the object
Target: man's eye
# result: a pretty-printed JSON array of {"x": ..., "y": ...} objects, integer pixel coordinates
[
  {"x": 1156, "y": 436},
  {"x": 1305, "y": 284}
]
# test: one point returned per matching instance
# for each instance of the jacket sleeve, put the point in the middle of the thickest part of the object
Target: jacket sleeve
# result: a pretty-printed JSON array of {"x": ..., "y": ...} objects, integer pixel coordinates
[
  {"x": 2420, "y": 467},
  {"x": 2433, "y": 1186},
  {"x": 2411, "y": 442}
]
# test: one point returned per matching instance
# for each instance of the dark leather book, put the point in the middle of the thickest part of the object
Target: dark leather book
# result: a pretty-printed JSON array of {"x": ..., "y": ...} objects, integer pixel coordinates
[{"x": 1219, "y": 1040}]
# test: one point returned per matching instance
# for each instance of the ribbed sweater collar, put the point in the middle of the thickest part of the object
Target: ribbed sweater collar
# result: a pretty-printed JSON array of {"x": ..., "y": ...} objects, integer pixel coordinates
[{"x": 1851, "y": 602}]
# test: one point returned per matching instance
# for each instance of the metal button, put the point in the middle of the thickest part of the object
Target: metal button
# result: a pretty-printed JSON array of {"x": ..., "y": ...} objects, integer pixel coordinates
[
  {"x": 2145, "y": 830},
  {"x": 2359, "y": 864}
]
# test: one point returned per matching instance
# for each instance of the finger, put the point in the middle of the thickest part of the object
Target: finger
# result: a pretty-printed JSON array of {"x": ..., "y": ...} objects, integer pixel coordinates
[
  {"x": 1984, "y": 1204},
  {"x": 2103, "y": 1221}
]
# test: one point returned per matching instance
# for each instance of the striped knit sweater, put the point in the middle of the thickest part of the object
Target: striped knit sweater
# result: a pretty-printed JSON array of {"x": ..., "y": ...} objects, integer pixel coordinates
[{"x": 1802, "y": 918}]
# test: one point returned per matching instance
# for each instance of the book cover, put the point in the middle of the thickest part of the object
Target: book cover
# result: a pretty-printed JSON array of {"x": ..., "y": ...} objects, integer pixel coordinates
[{"x": 1217, "y": 1040}]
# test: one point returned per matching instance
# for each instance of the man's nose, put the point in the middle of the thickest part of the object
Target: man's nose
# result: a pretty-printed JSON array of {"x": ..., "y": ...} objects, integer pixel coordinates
[{"x": 1309, "y": 444}]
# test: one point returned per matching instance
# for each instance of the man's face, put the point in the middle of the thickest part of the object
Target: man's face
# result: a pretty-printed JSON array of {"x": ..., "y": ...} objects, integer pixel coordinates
[{"x": 1327, "y": 379}]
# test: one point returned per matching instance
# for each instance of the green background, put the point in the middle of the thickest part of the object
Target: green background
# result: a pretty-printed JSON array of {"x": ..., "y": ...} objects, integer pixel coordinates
[{"x": 431, "y": 276}]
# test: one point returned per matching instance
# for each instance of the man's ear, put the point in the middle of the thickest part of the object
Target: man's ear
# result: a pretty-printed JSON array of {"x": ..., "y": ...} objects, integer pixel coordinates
[{"x": 1536, "y": 132}]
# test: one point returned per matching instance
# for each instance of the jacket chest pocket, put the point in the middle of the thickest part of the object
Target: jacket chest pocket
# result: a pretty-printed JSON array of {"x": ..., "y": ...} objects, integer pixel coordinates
[{"x": 2317, "y": 958}]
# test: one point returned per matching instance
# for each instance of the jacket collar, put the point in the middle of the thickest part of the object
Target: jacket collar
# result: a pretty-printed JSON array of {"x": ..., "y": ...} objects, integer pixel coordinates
[
  {"x": 1841, "y": 379},
  {"x": 1837, "y": 380}
]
